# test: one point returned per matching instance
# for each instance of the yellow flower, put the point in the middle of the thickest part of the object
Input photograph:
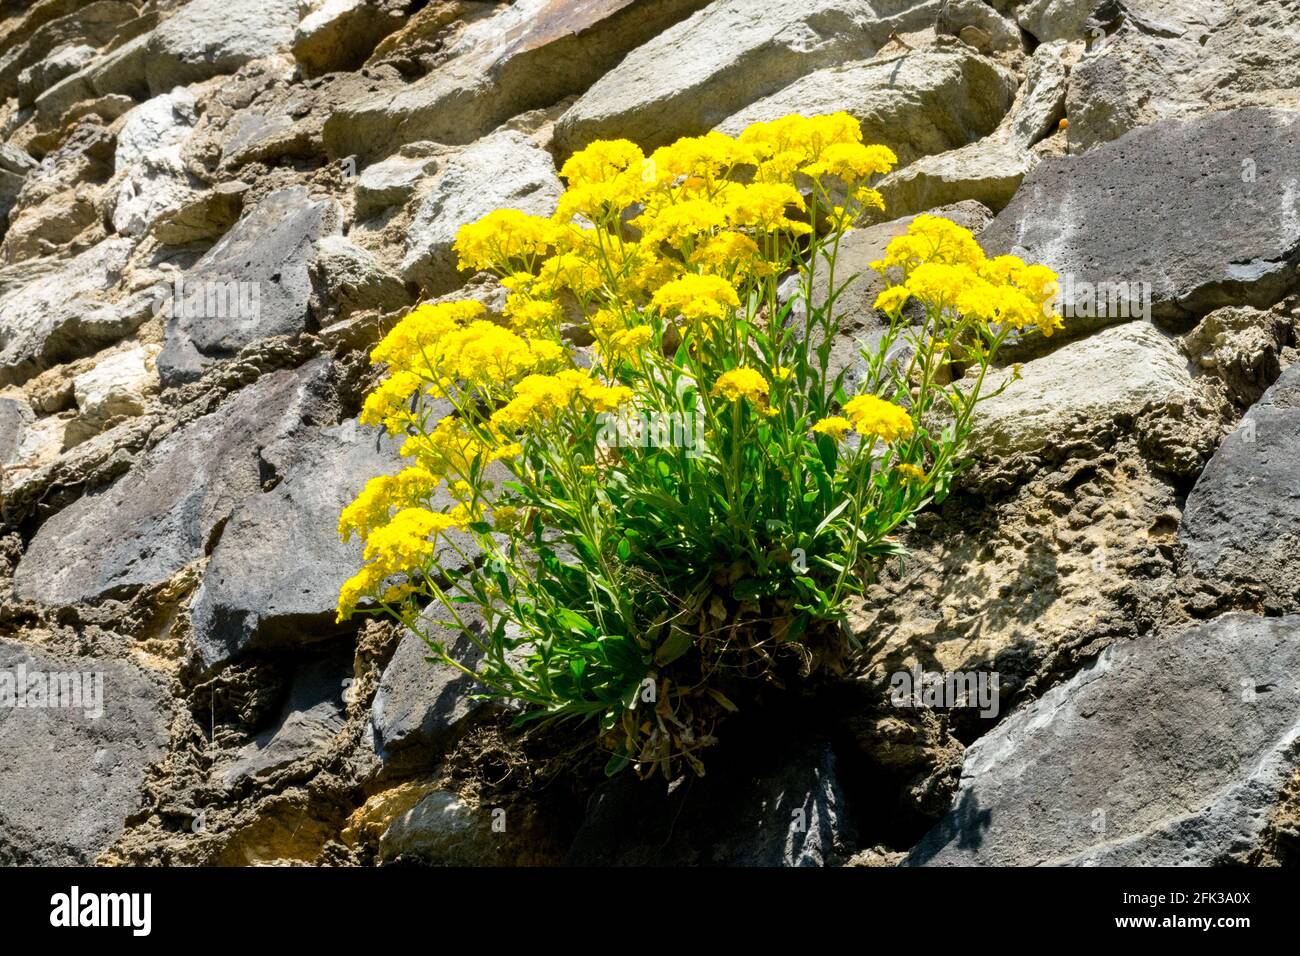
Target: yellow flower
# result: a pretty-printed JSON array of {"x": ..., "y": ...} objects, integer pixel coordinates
[
  {"x": 835, "y": 426},
  {"x": 504, "y": 238},
  {"x": 605, "y": 178},
  {"x": 852, "y": 161},
  {"x": 762, "y": 206},
  {"x": 742, "y": 383},
  {"x": 892, "y": 299},
  {"x": 381, "y": 495},
  {"x": 910, "y": 472},
  {"x": 696, "y": 297},
  {"x": 409, "y": 342},
  {"x": 872, "y": 415}
]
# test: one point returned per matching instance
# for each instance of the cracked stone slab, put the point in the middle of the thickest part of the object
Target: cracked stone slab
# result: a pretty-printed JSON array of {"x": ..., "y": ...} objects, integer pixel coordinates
[{"x": 1170, "y": 750}]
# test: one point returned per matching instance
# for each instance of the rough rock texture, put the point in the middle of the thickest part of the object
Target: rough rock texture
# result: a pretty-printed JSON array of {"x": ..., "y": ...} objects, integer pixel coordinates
[
  {"x": 251, "y": 285},
  {"x": 728, "y": 55},
  {"x": 1133, "y": 211},
  {"x": 1173, "y": 61},
  {"x": 1168, "y": 751},
  {"x": 210, "y": 210},
  {"x": 82, "y": 766},
  {"x": 915, "y": 103},
  {"x": 531, "y": 54},
  {"x": 144, "y": 528},
  {"x": 1242, "y": 523},
  {"x": 501, "y": 171}
]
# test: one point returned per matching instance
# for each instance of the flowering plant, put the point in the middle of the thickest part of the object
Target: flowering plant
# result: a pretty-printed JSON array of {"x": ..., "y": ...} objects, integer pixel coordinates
[{"x": 644, "y": 486}]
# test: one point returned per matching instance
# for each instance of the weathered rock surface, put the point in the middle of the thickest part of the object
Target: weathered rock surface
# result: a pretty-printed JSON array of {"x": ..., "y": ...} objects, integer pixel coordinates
[
  {"x": 252, "y": 284},
  {"x": 121, "y": 384},
  {"x": 65, "y": 312},
  {"x": 73, "y": 773},
  {"x": 341, "y": 34},
  {"x": 916, "y": 103},
  {"x": 312, "y": 715},
  {"x": 1170, "y": 750},
  {"x": 1174, "y": 61},
  {"x": 1082, "y": 388},
  {"x": 991, "y": 169},
  {"x": 347, "y": 279},
  {"x": 531, "y": 54},
  {"x": 250, "y": 595},
  {"x": 726, "y": 56},
  {"x": 1134, "y": 211},
  {"x": 15, "y": 416},
  {"x": 210, "y": 37},
  {"x": 1241, "y": 528},
  {"x": 164, "y": 513},
  {"x": 502, "y": 171}
]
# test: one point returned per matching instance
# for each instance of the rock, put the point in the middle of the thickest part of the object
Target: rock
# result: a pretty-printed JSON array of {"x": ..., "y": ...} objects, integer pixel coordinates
[
  {"x": 347, "y": 279},
  {"x": 65, "y": 313},
  {"x": 706, "y": 68},
  {"x": 1133, "y": 211},
  {"x": 312, "y": 716},
  {"x": 529, "y": 55},
  {"x": 1171, "y": 750},
  {"x": 1028, "y": 587},
  {"x": 95, "y": 24},
  {"x": 1242, "y": 348},
  {"x": 14, "y": 166},
  {"x": 252, "y": 284},
  {"x": 73, "y": 774},
  {"x": 390, "y": 182},
  {"x": 975, "y": 22},
  {"x": 208, "y": 38},
  {"x": 203, "y": 216},
  {"x": 917, "y": 103},
  {"x": 444, "y": 829},
  {"x": 42, "y": 74},
  {"x": 15, "y": 416},
  {"x": 1077, "y": 391},
  {"x": 148, "y": 156},
  {"x": 250, "y": 597},
  {"x": 164, "y": 121},
  {"x": 121, "y": 72},
  {"x": 169, "y": 510},
  {"x": 341, "y": 34},
  {"x": 990, "y": 170},
  {"x": 1241, "y": 527},
  {"x": 1183, "y": 61},
  {"x": 501, "y": 171},
  {"x": 420, "y": 706},
  {"x": 119, "y": 385},
  {"x": 782, "y": 808}
]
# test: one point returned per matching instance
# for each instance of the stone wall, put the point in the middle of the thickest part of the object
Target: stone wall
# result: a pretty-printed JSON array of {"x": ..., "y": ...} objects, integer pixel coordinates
[{"x": 210, "y": 209}]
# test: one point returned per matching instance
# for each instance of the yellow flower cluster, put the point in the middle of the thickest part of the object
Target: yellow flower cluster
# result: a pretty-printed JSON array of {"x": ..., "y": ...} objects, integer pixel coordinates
[
  {"x": 872, "y": 415},
  {"x": 542, "y": 397},
  {"x": 942, "y": 264},
  {"x": 742, "y": 383}
]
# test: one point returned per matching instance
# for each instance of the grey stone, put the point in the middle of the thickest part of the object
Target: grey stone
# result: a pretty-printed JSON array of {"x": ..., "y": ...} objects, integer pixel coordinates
[
  {"x": 502, "y": 171},
  {"x": 1241, "y": 526},
  {"x": 261, "y": 264},
  {"x": 1170, "y": 750},
  {"x": 421, "y": 705},
  {"x": 250, "y": 595},
  {"x": 916, "y": 103},
  {"x": 1175, "y": 61},
  {"x": 312, "y": 716},
  {"x": 165, "y": 120},
  {"x": 341, "y": 34},
  {"x": 979, "y": 24},
  {"x": 62, "y": 62},
  {"x": 65, "y": 312},
  {"x": 529, "y": 55},
  {"x": 15, "y": 416},
  {"x": 208, "y": 38},
  {"x": 697, "y": 73},
  {"x": 1079, "y": 389},
  {"x": 781, "y": 807},
  {"x": 203, "y": 216},
  {"x": 71, "y": 779},
  {"x": 390, "y": 182},
  {"x": 168, "y": 510},
  {"x": 121, "y": 72},
  {"x": 1136, "y": 211},
  {"x": 347, "y": 279}
]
